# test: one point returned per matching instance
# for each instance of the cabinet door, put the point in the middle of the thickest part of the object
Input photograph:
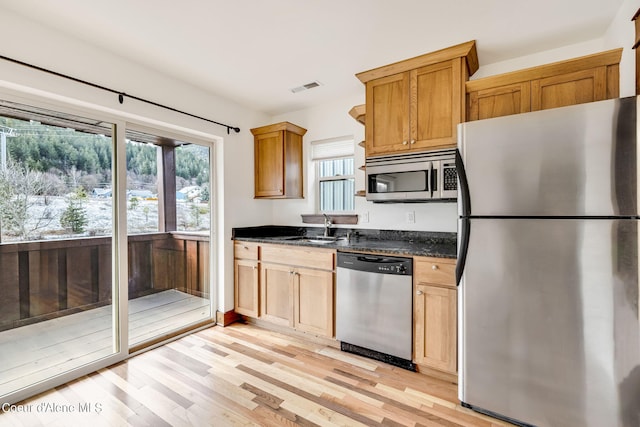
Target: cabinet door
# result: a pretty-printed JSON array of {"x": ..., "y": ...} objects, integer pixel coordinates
[
  {"x": 268, "y": 164},
  {"x": 499, "y": 101},
  {"x": 313, "y": 301},
  {"x": 292, "y": 173},
  {"x": 387, "y": 119},
  {"x": 435, "y": 327},
  {"x": 569, "y": 89},
  {"x": 246, "y": 287},
  {"x": 276, "y": 291},
  {"x": 436, "y": 110}
]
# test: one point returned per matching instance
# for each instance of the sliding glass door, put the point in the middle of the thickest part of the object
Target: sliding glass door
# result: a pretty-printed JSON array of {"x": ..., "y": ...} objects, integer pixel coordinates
[
  {"x": 56, "y": 245},
  {"x": 168, "y": 221},
  {"x": 78, "y": 292}
]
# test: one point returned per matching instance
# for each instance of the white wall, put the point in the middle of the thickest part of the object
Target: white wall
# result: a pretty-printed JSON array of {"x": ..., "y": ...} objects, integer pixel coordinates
[
  {"x": 35, "y": 44},
  {"x": 621, "y": 33},
  {"x": 540, "y": 58}
]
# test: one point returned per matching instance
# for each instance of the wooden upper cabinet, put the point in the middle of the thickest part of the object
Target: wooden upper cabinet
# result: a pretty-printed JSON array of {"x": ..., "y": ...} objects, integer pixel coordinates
[
  {"x": 278, "y": 161},
  {"x": 575, "y": 81},
  {"x": 416, "y": 104},
  {"x": 387, "y": 121},
  {"x": 500, "y": 101},
  {"x": 569, "y": 89},
  {"x": 436, "y": 96}
]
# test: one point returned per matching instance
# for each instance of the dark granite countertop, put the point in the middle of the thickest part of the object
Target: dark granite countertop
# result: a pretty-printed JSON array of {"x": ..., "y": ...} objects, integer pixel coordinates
[{"x": 419, "y": 243}]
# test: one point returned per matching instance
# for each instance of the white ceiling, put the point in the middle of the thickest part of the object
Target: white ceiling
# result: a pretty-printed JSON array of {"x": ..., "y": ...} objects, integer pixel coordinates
[{"x": 255, "y": 51}]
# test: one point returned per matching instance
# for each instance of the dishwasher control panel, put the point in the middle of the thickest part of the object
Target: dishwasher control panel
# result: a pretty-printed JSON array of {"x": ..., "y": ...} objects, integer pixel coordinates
[
  {"x": 375, "y": 263},
  {"x": 397, "y": 269}
]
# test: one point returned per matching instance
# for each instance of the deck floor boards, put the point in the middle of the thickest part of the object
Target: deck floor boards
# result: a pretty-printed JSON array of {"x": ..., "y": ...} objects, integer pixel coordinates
[
  {"x": 243, "y": 375},
  {"x": 39, "y": 351}
]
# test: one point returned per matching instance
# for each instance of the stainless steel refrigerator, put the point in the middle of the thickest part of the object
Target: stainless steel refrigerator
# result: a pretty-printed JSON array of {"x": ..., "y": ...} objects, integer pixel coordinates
[{"x": 548, "y": 238}]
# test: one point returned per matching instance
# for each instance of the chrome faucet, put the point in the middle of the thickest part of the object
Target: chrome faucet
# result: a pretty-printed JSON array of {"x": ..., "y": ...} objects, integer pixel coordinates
[{"x": 327, "y": 224}]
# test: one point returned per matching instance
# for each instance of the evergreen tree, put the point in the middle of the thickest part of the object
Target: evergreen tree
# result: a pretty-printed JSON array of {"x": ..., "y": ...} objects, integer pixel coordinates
[{"x": 74, "y": 217}]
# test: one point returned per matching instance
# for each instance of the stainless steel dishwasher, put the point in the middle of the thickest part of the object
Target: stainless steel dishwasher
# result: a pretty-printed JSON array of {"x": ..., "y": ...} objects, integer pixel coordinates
[{"x": 374, "y": 307}]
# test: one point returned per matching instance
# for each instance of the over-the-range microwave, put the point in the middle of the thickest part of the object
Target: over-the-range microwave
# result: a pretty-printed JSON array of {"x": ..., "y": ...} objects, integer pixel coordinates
[{"x": 417, "y": 177}]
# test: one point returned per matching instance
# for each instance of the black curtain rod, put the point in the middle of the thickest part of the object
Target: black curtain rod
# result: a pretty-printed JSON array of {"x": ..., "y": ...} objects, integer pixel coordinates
[{"x": 121, "y": 95}]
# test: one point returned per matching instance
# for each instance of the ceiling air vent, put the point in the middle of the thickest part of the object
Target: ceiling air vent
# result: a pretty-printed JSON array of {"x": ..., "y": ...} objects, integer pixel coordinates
[{"x": 306, "y": 86}]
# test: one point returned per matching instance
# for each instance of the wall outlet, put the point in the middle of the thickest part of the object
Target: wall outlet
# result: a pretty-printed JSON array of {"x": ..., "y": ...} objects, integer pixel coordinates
[
  {"x": 364, "y": 217},
  {"x": 411, "y": 217}
]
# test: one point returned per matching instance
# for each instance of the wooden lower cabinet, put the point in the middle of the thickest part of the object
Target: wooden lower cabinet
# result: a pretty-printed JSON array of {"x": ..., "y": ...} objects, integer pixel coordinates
[
  {"x": 276, "y": 293},
  {"x": 245, "y": 278},
  {"x": 435, "y": 334},
  {"x": 435, "y": 314},
  {"x": 246, "y": 287},
  {"x": 301, "y": 298},
  {"x": 313, "y": 301},
  {"x": 295, "y": 287},
  {"x": 287, "y": 285}
]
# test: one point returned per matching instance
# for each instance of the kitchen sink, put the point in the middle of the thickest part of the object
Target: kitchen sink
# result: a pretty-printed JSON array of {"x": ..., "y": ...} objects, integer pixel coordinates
[
  {"x": 314, "y": 239},
  {"x": 321, "y": 239}
]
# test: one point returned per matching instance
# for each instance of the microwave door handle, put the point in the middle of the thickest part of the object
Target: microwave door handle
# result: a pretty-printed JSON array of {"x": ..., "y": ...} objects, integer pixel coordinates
[{"x": 430, "y": 179}]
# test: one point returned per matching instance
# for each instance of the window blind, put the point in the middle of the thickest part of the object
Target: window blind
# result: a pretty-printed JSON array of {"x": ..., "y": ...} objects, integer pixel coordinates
[{"x": 333, "y": 148}]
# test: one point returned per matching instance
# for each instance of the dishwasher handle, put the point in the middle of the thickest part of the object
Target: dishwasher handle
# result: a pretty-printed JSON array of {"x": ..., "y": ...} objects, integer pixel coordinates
[{"x": 366, "y": 258}]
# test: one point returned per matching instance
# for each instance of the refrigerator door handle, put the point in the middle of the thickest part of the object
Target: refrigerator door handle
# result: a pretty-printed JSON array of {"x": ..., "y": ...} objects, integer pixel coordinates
[
  {"x": 465, "y": 198},
  {"x": 465, "y": 211},
  {"x": 465, "y": 230}
]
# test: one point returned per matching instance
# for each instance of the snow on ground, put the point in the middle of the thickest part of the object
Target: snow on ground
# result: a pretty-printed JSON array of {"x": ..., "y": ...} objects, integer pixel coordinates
[{"x": 142, "y": 217}]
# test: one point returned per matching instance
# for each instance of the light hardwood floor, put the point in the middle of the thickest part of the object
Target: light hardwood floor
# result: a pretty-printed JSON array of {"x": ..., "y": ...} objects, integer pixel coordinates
[{"x": 244, "y": 375}]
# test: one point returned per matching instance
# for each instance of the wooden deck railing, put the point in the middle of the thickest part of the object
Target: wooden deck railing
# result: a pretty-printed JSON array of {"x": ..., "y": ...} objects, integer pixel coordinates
[{"x": 47, "y": 279}]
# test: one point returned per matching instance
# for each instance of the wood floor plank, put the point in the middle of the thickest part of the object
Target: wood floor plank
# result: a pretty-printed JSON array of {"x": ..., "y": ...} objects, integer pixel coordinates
[
  {"x": 311, "y": 397},
  {"x": 243, "y": 375},
  {"x": 199, "y": 394},
  {"x": 211, "y": 387},
  {"x": 396, "y": 409}
]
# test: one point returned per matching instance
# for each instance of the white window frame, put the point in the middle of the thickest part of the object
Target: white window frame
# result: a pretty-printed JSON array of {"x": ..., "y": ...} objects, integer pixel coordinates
[{"x": 332, "y": 149}]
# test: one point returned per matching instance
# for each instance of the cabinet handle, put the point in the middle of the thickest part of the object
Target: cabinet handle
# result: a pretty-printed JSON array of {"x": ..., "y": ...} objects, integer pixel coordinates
[
  {"x": 404, "y": 142},
  {"x": 413, "y": 141},
  {"x": 255, "y": 267},
  {"x": 434, "y": 267},
  {"x": 246, "y": 248},
  {"x": 419, "y": 293}
]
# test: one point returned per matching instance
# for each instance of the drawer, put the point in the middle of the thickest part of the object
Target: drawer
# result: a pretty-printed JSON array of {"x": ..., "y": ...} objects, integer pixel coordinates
[
  {"x": 440, "y": 271},
  {"x": 245, "y": 250},
  {"x": 320, "y": 259}
]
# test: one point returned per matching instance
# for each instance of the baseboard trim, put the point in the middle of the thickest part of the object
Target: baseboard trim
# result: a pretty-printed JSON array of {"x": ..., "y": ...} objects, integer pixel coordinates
[{"x": 226, "y": 318}]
